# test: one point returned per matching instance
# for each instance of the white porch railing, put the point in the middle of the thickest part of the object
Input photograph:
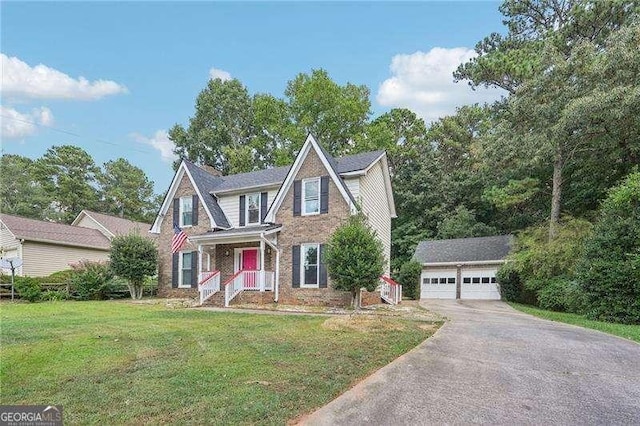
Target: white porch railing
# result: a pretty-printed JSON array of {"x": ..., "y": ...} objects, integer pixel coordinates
[
  {"x": 208, "y": 284},
  {"x": 251, "y": 280},
  {"x": 390, "y": 291}
]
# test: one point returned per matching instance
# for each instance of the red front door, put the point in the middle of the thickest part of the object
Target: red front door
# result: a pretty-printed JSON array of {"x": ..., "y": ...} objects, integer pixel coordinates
[
  {"x": 250, "y": 263},
  {"x": 250, "y": 260}
]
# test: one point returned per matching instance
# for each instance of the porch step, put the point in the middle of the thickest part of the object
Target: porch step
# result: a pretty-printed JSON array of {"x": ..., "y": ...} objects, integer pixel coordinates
[{"x": 215, "y": 300}]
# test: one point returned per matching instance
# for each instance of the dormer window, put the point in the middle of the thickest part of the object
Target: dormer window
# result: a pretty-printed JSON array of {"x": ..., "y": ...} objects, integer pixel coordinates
[
  {"x": 253, "y": 208},
  {"x": 311, "y": 196},
  {"x": 186, "y": 211}
]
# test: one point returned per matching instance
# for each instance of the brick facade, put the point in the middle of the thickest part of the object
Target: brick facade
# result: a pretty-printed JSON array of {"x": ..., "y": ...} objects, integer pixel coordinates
[
  {"x": 295, "y": 230},
  {"x": 309, "y": 229},
  {"x": 185, "y": 188}
]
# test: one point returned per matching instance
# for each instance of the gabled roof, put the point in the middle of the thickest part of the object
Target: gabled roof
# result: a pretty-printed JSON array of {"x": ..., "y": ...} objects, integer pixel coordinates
[
  {"x": 113, "y": 225},
  {"x": 464, "y": 250},
  {"x": 204, "y": 181},
  {"x": 275, "y": 176},
  {"x": 329, "y": 164},
  {"x": 209, "y": 186},
  {"x": 55, "y": 233}
]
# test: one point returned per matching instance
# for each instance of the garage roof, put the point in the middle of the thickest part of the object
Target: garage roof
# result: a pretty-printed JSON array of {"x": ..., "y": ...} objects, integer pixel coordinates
[{"x": 468, "y": 250}]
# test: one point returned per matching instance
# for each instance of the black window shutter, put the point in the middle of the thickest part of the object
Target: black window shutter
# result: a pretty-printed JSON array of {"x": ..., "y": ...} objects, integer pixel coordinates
[
  {"x": 243, "y": 200},
  {"x": 295, "y": 278},
  {"x": 297, "y": 197},
  {"x": 176, "y": 211},
  {"x": 194, "y": 215},
  {"x": 263, "y": 206},
  {"x": 174, "y": 270},
  {"x": 324, "y": 194},
  {"x": 323, "y": 269},
  {"x": 194, "y": 269}
]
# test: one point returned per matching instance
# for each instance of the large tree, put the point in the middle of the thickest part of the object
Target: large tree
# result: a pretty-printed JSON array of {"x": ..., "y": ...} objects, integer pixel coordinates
[
  {"x": 222, "y": 119},
  {"x": 20, "y": 193},
  {"x": 540, "y": 63},
  {"x": 126, "y": 191},
  {"x": 68, "y": 174}
]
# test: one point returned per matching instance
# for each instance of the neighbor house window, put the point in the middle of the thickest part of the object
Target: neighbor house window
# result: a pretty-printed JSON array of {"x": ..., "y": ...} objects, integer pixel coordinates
[
  {"x": 311, "y": 196},
  {"x": 186, "y": 211},
  {"x": 186, "y": 272},
  {"x": 310, "y": 261},
  {"x": 253, "y": 208}
]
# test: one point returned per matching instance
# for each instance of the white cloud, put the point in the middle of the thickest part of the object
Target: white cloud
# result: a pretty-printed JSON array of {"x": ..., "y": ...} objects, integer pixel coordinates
[
  {"x": 160, "y": 141},
  {"x": 17, "y": 125},
  {"x": 22, "y": 81},
  {"x": 218, "y": 73},
  {"x": 423, "y": 83}
]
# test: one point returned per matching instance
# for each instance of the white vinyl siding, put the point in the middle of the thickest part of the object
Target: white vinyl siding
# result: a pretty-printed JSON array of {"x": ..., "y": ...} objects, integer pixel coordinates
[
  {"x": 230, "y": 205},
  {"x": 353, "y": 184},
  {"x": 41, "y": 259},
  {"x": 374, "y": 203},
  {"x": 7, "y": 240}
]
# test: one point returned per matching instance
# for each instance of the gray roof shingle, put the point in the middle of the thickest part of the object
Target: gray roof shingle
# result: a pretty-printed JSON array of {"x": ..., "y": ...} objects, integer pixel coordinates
[
  {"x": 206, "y": 182},
  {"x": 52, "y": 232},
  {"x": 120, "y": 226},
  {"x": 209, "y": 184},
  {"x": 464, "y": 249}
]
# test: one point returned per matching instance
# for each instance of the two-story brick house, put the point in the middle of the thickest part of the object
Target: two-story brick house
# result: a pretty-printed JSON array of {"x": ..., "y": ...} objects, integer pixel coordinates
[{"x": 260, "y": 236}]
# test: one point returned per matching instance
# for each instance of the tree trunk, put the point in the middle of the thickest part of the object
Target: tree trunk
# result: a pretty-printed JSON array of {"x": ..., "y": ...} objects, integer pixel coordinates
[
  {"x": 132, "y": 290},
  {"x": 556, "y": 194},
  {"x": 355, "y": 303}
]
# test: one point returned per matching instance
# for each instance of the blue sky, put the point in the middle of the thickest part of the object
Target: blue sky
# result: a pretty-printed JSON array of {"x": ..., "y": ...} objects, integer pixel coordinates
[{"x": 113, "y": 77}]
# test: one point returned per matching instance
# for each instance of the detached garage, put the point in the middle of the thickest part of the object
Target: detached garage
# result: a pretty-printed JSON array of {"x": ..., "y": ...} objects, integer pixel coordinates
[{"x": 462, "y": 268}]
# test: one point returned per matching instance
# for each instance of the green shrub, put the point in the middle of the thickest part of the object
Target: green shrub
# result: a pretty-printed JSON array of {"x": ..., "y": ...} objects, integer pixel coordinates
[
  {"x": 409, "y": 279},
  {"x": 90, "y": 280},
  {"x": 354, "y": 257},
  {"x": 609, "y": 272},
  {"x": 54, "y": 295},
  {"x": 557, "y": 294},
  {"x": 134, "y": 257},
  {"x": 58, "y": 277},
  {"x": 511, "y": 287},
  {"x": 28, "y": 288},
  {"x": 539, "y": 270}
]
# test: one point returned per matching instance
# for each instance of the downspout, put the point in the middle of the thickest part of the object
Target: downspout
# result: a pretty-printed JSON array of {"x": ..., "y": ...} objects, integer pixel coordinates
[{"x": 276, "y": 281}]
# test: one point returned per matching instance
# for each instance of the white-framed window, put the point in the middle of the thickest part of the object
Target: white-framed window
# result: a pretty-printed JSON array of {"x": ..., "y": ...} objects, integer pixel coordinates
[
  {"x": 252, "y": 208},
  {"x": 186, "y": 211},
  {"x": 310, "y": 267},
  {"x": 185, "y": 271},
  {"x": 311, "y": 196}
]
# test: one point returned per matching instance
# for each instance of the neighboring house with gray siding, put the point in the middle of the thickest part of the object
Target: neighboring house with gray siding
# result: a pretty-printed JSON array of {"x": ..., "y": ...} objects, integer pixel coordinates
[
  {"x": 47, "y": 247},
  {"x": 462, "y": 268},
  {"x": 266, "y": 230}
]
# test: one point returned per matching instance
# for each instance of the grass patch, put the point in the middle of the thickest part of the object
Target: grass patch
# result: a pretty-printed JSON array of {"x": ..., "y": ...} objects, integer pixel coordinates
[
  {"x": 118, "y": 362},
  {"x": 631, "y": 332}
]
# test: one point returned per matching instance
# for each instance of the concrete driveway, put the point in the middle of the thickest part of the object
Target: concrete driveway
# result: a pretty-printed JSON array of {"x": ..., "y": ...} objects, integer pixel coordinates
[{"x": 492, "y": 364}]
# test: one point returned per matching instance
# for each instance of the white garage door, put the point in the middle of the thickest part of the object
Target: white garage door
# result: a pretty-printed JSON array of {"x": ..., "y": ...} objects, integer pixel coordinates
[
  {"x": 438, "y": 284},
  {"x": 479, "y": 284}
]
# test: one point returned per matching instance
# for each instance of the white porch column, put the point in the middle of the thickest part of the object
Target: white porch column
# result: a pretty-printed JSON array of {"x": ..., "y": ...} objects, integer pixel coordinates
[
  {"x": 199, "y": 263},
  {"x": 261, "y": 265}
]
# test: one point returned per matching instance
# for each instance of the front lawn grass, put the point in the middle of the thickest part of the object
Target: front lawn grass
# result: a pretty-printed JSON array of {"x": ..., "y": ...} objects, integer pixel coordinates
[
  {"x": 631, "y": 332},
  {"x": 118, "y": 362}
]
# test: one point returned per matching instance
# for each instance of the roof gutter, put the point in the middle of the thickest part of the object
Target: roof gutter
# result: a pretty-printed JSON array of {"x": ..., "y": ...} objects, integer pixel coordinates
[{"x": 475, "y": 262}]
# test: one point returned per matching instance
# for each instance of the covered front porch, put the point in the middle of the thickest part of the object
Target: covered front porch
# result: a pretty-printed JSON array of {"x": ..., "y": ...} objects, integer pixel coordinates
[{"x": 237, "y": 260}]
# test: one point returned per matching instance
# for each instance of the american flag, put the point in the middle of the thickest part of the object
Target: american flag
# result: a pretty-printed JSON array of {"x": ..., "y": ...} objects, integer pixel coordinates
[{"x": 178, "y": 240}]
